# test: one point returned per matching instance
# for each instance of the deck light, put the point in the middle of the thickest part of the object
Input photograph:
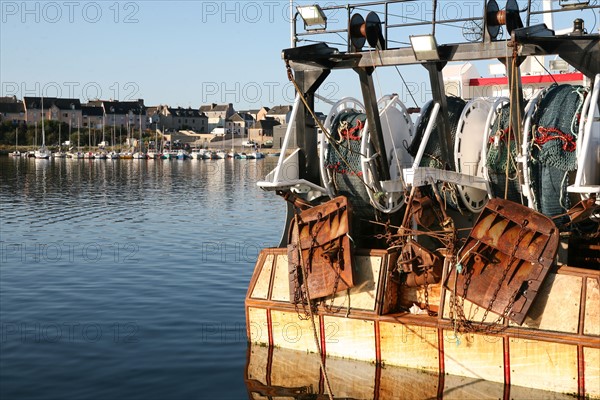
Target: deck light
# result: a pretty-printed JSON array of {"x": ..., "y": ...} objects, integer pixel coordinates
[
  {"x": 425, "y": 47},
  {"x": 313, "y": 17},
  {"x": 559, "y": 66}
]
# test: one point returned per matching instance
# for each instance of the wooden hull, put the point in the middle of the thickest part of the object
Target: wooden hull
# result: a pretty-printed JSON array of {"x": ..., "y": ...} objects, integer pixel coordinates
[
  {"x": 268, "y": 374},
  {"x": 557, "y": 348}
]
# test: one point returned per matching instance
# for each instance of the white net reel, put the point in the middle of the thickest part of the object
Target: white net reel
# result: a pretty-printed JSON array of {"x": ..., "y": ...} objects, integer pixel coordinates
[
  {"x": 468, "y": 150},
  {"x": 345, "y": 104},
  {"x": 398, "y": 131}
]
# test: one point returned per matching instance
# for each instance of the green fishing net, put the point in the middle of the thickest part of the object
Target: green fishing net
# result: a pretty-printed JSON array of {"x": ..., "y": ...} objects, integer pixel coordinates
[
  {"x": 432, "y": 157},
  {"x": 553, "y": 150},
  {"x": 498, "y": 152},
  {"x": 343, "y": 161}
]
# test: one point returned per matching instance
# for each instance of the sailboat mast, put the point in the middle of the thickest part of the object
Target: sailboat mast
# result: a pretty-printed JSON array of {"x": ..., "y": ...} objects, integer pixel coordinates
[
  {"x": 43, "y": 132},
  {"x": 140, "y": 120}
]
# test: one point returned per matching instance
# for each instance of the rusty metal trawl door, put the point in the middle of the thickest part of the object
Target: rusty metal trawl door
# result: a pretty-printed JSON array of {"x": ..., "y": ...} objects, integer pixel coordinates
[
  {"x": 320, "y": 250},
  {"x": 506, "y": 257}
]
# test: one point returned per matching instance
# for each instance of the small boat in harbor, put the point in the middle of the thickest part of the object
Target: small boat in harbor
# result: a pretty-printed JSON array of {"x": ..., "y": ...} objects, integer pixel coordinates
[
  {"x": 74, "y": 154},
  {"x": 152, "y": 155},
  {"x": 197, "y": 154},
  {"x": 169, "y": 155},
  {"x": 16, "y": 153},
  {"x": 43, "y": 152},
  {"x": 59, "y": 153},
  {"x": 182, "y": 155},
  {"x": 209, "y": 155},
  {"x": 101, "y": 155},
  {"x": 464, "y": 243}
]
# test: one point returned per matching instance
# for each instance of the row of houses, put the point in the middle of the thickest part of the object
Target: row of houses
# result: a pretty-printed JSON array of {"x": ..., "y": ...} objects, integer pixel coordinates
[
  {"x": 219, "y": 119},
  {"x": 95, "y": 114}
]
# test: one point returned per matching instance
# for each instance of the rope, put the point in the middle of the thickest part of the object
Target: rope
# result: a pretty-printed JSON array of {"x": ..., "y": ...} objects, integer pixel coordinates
[
  {"x": 318, "y": 121},
  {"x": 387, "y": 120},
  {"x": 553, "y": 153},
  {"x": 569, "y": 141},
  {"x": 312, "y": 316},
  {"x": 350, "y": 133}
]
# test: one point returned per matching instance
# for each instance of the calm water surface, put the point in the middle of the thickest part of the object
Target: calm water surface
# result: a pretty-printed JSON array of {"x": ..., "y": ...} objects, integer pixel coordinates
[{"x": 126, "y": 279}]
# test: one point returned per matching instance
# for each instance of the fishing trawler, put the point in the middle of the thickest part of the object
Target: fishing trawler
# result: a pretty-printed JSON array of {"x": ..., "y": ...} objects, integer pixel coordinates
[{"x": 464, "y": 243}]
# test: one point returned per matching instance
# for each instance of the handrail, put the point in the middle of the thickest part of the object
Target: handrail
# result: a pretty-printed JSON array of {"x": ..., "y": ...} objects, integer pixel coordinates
[{"x": 386, "y": 11}]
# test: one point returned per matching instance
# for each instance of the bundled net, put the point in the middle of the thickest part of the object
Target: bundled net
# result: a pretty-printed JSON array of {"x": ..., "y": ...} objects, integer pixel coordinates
[
  {"x": 432, "y": 157},
  {"x": 553, "y": 151},
  {"x": 502, "y": 153},
  {"x": 343, "y": 160}
]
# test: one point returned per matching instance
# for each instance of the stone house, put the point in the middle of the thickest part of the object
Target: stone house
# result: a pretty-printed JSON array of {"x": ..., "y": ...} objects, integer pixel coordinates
[
  {"x": 217, "y": 114},
  {"x": 262, "y": 131},
  {"x": 280, "y": 113}
]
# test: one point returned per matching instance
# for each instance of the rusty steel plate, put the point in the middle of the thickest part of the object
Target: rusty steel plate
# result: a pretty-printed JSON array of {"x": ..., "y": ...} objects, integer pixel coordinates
[
  {"x": 508, "y": 254},
  {"x": 322, "y": 236}
]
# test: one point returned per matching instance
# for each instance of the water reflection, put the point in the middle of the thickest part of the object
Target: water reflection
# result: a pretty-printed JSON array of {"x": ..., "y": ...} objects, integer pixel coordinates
[
  {"x": 275, "y": 373},
  {"x": 153, "y": 256}
]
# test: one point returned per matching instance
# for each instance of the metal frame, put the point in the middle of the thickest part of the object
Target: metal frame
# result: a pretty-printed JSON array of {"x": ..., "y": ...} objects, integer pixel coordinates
[{"x": 313, "y": 63}]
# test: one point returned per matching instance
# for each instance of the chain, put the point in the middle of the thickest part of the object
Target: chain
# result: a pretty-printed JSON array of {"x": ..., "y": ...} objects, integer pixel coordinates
[
  {"x": 338, "y": 273},
  {"x": 495, "y": 326},
  {"x": 311, "y": 314},
  {"x": 300, "y": 296},
  {"x": 427, "y": 307},
  {"x": 326, "y": 133}
]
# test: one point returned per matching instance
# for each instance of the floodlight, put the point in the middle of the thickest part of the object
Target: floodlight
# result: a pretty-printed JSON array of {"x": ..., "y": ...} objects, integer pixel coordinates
[
  {"x": 313, "y": 17},
  {"x": 559, "y": 65},
  {"x": 425, "y": 47},
  {"x": 497, "y": 69}
]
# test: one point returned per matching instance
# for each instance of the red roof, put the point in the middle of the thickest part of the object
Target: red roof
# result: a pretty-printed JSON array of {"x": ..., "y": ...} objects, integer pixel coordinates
[{"x": 528, "y": 79}]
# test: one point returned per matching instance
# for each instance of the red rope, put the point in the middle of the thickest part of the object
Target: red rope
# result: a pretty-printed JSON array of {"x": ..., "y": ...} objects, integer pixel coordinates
[
  {"x": 502, "y": 135},
  {"x": 337, "y": 167},
  {"x": 569, "y": 143},
  {"x": 350, "y": 133}
]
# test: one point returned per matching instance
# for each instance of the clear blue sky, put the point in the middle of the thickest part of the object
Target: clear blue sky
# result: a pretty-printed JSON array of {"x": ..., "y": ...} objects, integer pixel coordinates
[{"x": 181, "y": 53}]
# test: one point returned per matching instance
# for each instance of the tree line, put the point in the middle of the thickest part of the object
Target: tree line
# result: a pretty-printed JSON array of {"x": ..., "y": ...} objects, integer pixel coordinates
[{"x": 27, "y": 135}]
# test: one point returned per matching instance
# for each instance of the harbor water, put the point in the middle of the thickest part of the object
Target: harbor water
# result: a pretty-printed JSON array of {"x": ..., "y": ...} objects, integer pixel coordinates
[{"x": 126, "y": 279}]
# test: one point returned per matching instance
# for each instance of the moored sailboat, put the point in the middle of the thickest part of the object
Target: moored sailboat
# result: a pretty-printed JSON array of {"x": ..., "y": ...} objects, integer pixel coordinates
[
  {"x": 59, "y": 153},
  {"x": 43, "y": 152},
  {"x": 16, "y": 153}
]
